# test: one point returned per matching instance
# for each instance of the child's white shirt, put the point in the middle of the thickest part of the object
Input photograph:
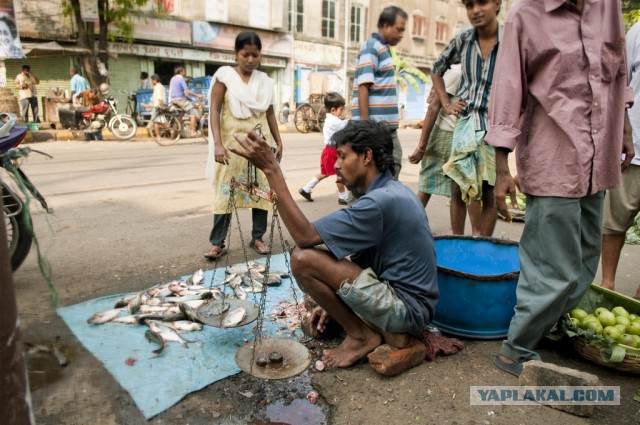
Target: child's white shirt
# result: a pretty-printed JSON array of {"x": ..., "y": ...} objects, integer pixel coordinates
[{"x": 331, "y": 125}]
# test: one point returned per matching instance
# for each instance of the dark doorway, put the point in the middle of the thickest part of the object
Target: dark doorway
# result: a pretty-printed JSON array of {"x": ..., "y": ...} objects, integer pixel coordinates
[
  {"x": 165, "y": 70},
  {"x": 211, "y": 68}
]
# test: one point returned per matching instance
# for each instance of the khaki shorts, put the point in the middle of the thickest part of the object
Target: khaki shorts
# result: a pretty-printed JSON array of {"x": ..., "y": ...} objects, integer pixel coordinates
[
  {"x": 375, "y": 301},
  {"x": 622, "y": 205}
]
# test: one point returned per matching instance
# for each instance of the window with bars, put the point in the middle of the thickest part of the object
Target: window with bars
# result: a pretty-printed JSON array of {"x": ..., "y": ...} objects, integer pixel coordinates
[
  {"x": 419, "y": 27},
  {"x": 442, "y": 30},
  {"x": 299, "y": 15},
  {"x": 355, "y": 28},
  {"x": 329, "y": 18}
]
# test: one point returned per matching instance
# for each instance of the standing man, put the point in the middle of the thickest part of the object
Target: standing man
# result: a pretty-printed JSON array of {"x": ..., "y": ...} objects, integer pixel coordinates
[
  {"x": 375, "y": 91},
  {"x": 78, "y": 84},
  {"x": 622, "y": 205},
  {"x": 178, "y": 92},
  {"x": 144, "y": 81},
  {"x": 380, "y": 267},
  {"x": 26, "y": 84},
  {"x": 559, "y": 100},
  {"x": 471, "y": 166},
  {"x": 158, "y": 98},
  {"x": 434, "y": 146}
]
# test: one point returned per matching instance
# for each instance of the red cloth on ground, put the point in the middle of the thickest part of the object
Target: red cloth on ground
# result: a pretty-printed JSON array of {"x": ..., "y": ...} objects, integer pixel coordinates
[{"x": 438, "y": 345}]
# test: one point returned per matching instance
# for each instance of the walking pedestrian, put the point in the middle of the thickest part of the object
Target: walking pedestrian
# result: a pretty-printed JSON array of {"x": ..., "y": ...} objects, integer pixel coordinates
[{"x": 334, "y": 104}]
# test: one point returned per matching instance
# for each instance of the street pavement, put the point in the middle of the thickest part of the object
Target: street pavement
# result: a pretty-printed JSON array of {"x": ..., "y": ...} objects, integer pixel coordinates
[{"x": 128, "y": 215}]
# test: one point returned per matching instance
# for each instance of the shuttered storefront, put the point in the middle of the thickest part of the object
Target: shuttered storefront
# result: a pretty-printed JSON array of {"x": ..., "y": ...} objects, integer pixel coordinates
[{"x": 52, "y": 72}]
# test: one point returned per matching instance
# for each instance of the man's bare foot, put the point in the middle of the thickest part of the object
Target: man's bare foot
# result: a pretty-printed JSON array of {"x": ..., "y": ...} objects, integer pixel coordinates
[{"x": 352, "y": 349}]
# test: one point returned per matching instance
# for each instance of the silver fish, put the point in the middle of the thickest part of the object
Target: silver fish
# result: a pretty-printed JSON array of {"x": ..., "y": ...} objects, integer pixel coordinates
[
  {"x": 154, "y": 301},
  {"x": 254, "y": 274},
  {"x": 146, "y": 309},
  {"x": 186, "y": 326},
  {"x": 238, "y": 269},
  {"x": 154, "y": 337},
  {"x": 189, "y": 311},
  {"x": 105, "y": 316},
  {"x": 194, "y": 304},
  {"x": 233, "y": 317},
  {"x": 197, "y": 277},
  {"x": 235, "y": 282},
  {"x": 135, "y": 303},
  {"x": 240, "y": 293},
  {"x": 129, "y": 320},
  {"x": 228, "y": 279},
  {"x": 124, "y": 301},
  {"x": 199, "y": 296},
  {"x": 273, "y": 279},
  {"x": 166, "y": 332}
]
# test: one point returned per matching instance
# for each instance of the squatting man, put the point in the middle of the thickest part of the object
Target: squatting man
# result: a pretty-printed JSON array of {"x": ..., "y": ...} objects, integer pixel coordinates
[{"x": 379, "y": 272}]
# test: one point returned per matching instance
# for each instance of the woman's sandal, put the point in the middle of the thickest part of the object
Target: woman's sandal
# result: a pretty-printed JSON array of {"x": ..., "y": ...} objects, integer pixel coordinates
[
  {"x": 259, "y": 247},
  {"x": 215, "y": 252}
]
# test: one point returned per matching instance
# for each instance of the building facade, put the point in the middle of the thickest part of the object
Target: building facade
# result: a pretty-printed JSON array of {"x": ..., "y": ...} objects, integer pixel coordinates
[{"x": 299, "y": 37}]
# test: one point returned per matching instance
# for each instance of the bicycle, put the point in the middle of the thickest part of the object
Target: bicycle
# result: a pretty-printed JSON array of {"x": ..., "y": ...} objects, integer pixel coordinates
[
  {"x": 132, "y": 108},
  {"x": 169, "y": 126}
]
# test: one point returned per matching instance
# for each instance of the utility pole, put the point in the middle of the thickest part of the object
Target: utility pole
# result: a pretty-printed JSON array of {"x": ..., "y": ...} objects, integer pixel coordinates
[
  {"x": 345, "y": 77},
  {"x": 293, "y": 55}
]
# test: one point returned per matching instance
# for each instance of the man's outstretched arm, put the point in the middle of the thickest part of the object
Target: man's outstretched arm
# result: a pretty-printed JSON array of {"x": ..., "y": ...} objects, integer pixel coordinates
[{"x": 256, "y": 150}]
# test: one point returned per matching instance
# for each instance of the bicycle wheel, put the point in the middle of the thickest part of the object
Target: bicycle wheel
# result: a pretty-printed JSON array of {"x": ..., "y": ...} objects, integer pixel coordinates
[{"x": 169, "y": 130}]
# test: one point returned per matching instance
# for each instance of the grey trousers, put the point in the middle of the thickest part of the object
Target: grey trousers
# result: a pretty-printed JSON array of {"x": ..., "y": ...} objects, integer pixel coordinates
[
  {"x": 397, "y": 154},
  {"x": 221, "y": 224},
  {"x": 559, "y": 254},
  {"x": 25, "y": 104}
]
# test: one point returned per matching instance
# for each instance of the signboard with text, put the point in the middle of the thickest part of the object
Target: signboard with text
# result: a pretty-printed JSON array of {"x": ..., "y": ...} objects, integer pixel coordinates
[{"x": 223, "y": 37}]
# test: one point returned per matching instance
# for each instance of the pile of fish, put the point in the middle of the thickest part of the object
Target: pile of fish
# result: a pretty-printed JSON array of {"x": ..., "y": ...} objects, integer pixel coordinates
[
  {"x": 170, "y": 309},
  {"x": 249, "y": 277}
]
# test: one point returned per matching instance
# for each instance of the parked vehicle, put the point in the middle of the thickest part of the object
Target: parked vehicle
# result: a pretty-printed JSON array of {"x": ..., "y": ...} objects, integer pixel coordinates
[
  {"x": 174, "y": 123},
  {"x": 17, "y": 190},
  {"x": 94, "y": 119}
]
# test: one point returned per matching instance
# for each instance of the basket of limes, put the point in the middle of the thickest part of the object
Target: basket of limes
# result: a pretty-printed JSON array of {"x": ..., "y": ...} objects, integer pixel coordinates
[{"x": 605, "y": 328}]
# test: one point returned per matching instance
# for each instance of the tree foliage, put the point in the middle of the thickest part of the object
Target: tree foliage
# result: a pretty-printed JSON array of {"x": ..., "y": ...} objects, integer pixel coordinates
[
  {"x": 631, "y": 12},
  {"x": 114, "y": 21},
  {"x": 406, "y": 73}
]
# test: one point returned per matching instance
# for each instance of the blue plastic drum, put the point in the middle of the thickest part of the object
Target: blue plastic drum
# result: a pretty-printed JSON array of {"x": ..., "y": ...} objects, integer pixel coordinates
[{"x": 477, "y": 279}]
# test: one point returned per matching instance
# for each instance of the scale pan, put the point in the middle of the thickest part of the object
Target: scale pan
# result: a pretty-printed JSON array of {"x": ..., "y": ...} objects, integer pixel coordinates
[{"x": 295, "y": 358}]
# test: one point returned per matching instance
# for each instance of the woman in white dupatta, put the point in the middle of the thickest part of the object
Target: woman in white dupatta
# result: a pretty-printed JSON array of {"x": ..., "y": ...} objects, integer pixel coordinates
[{"x": 241, "y": 99}]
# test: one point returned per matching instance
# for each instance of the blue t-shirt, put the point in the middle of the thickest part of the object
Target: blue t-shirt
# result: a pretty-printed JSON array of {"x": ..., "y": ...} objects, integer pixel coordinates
[
  {"x": 387, "y": 230},
  {"x": 78, "y": 83},
  {"x": 177, "y": 87}
]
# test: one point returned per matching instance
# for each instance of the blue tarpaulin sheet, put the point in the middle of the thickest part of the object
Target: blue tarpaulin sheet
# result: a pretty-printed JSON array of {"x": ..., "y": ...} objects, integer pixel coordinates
[{"x": 178, "y": 370}]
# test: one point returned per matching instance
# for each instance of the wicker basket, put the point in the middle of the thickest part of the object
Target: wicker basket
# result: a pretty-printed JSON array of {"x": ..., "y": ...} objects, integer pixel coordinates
[{"x": 630, "y": 364}]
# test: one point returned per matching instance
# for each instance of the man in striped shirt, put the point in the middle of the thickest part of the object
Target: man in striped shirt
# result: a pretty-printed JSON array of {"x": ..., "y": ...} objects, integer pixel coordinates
[
  {"x": 375, "y": 91},
  {"x": 472, "y": 163}
]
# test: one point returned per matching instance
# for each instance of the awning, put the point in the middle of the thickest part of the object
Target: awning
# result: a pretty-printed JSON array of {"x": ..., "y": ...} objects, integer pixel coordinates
[{"x": 49, "y": 50}]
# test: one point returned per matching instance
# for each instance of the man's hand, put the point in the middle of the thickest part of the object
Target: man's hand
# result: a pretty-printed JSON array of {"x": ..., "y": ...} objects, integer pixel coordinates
[
  {"x": 627, "y": 143},
  {"x": 416, "y": 156},
  {"x": 455, "y": 108},
  {"x": 318, "y": 320},
  {"x": 505, "y": 185},
  {"x": 256, "y": 150}
]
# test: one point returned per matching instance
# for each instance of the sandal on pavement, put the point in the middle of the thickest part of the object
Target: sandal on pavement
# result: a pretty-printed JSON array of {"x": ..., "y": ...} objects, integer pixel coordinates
[
  {"x": 215, "y": 252},
  {"x": 259, "y": 247},
  {"x": 514, "y": 368}
]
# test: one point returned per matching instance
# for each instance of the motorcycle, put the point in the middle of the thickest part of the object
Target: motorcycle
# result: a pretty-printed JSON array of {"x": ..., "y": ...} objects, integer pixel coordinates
[
  {"x": 202, "y": 118},
  {"x": 91, "y": 120},
  {"x": 17, "y": 216}
]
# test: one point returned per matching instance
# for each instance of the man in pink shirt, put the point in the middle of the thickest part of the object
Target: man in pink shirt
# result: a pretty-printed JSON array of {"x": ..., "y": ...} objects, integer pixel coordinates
[{"x": 558, "y": 98}]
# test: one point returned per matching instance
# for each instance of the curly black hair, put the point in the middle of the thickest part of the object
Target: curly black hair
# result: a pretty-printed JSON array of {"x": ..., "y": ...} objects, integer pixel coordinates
[{"x": 368, "y": 134}]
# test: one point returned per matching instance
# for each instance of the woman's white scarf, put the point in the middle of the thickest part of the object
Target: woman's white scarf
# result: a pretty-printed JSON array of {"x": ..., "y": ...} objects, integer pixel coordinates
[{"x": 244, "y": 100}]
